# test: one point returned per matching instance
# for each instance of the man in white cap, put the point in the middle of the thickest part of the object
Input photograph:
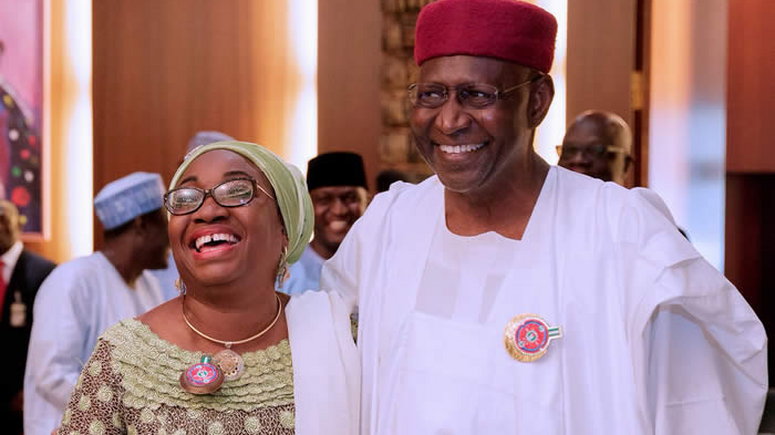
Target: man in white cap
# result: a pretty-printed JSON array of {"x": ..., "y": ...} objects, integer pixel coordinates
[
  {"x": 205, "y": 137},
  {"x": 83, "y": 297}
]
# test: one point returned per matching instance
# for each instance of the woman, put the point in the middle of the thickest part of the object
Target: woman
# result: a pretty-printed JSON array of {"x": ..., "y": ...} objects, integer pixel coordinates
[{"x": 230, "y": 355}]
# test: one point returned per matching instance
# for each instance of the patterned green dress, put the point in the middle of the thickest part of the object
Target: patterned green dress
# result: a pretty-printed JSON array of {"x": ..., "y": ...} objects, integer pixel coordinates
[{"x": 130, "y": 385}]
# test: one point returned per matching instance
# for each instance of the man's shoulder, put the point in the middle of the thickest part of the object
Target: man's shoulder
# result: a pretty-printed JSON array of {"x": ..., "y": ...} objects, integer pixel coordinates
[
  {"x": 403, "y": 204},
  {"x": 600, "y": 211},
  {"x": 32, "y": 260},
  {"x": 596, "y": 197},
  {"x": 90, "y": 263},
  {"x": 30, "y": 271},
  {"x": 77, "y": 272},
  {"x": 402, "y": 194}
]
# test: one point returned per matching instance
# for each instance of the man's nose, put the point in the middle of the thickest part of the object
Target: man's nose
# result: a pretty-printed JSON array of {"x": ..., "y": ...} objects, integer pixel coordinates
[
  {"x": 452, "y": 117},
  {"x": 338, "y": 206},
  {"x": 579, "y": 156}
]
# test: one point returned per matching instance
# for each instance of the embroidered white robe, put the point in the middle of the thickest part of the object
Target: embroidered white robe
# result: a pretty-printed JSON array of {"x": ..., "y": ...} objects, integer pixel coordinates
[{"x": 655, "y": 340}]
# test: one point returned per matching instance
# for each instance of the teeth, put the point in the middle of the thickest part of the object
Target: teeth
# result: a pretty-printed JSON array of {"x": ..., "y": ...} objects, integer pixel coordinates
[
  {"x": 338, "y": 225},
  {"x": 457, "y": 149},
  {"x": 217, "y": 237}
]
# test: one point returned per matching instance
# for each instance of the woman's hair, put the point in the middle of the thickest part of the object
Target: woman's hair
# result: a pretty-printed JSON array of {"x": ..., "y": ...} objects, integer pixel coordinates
[{"x": 290, "y": 189}]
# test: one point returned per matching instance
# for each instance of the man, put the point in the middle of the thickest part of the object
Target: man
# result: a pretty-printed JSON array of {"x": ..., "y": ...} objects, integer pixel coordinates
[
  {"x": 337, "y": 186},
  {"x": 22, "y": 274},
  {"x": 505, "y": 296},
  {"x": 83, "y": 297},
  {"x": 598, "y": 144},
  {"x": 205, "y": 137}
]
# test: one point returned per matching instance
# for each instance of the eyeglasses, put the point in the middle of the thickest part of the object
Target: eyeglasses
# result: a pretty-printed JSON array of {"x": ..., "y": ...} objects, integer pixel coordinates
[
  {"x": 594, "y": 151},
  {"x": 232, "y": 193},
  {"x": 472, "y": 96}
]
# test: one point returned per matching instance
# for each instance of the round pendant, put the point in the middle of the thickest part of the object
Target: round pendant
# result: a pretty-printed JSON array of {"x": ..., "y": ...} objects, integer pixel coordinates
[
  {"x": 527, "y": 337},
  {"x": 203, "y": 377},
  {"x": 231, "y": 363}
]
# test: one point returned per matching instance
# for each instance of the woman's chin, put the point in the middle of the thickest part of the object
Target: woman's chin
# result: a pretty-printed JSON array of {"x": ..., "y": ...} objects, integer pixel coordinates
[{"x": 214, "y": 276}]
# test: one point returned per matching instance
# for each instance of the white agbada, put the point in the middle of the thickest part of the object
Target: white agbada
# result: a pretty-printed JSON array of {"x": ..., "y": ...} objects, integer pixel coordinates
[
  {"x": 78, "y": 301},
  {"x": 305, "y": 273},
  {"x": 655, "y": 340},
  {"x": 326, "y": 370}
]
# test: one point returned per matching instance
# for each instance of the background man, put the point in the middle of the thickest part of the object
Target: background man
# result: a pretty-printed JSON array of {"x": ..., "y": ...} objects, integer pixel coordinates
[
  {"x": 22, "y": 273},
  {"x": 83, "y": 297},
  {"x": 503, "y": 295},
  {"x": 598, "y": 144},
  {"x": 337, "y": 185},
  {"x": 205, "y": 137}
]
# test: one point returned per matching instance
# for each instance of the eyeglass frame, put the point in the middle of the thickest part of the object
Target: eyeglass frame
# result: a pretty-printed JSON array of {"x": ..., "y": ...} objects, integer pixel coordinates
[
  {"x": 608, "y": 149},
  {"x": 209, "y": 192},
  {"x": 498, "y": 94}
]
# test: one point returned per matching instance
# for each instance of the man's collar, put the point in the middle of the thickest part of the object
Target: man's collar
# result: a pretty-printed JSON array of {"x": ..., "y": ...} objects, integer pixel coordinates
[{"x": 11, "y": 256}]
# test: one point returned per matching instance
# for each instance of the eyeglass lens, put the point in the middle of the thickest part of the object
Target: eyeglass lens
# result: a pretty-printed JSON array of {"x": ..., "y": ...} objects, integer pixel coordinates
[
  {"x": 232, "y": 193},
  {"x": 569, "y": 151},
  {"x": 432, "y": 95}
]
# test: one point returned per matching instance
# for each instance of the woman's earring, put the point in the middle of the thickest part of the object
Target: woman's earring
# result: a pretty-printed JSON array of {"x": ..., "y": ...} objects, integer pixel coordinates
[
  {"x": 181, "y": 286},
  {"x": 282, "y": 269}
]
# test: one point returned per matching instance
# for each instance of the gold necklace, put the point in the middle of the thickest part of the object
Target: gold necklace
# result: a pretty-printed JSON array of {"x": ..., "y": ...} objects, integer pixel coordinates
[
  {"x": 229, "y": 344},
  {"x": 207, "y": 376}
]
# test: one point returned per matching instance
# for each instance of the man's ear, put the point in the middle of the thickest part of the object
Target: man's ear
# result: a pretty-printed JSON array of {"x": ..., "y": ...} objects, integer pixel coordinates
[
  {"x": 139, "y": 224},
  {"x": 541, "y": 96},
  {"x": 628, "y": 162}
]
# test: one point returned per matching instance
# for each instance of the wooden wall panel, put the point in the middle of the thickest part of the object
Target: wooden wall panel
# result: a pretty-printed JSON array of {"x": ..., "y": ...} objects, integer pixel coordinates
[
  {"x": 750, "y": 195},
  {"x": 349, "y": 65},
  {"x": 601, "y": 56},
  {"x": 164, "y": 69},
  {"x": 744, "y": 230},
  {"x": 750, "y": 245},
  {"x": 607, "y": 41},
  {"x": 751, "y": 86}
]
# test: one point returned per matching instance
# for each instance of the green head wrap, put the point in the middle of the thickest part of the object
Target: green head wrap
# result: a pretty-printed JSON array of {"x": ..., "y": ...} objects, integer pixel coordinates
[{"x": 287, "y": 181}]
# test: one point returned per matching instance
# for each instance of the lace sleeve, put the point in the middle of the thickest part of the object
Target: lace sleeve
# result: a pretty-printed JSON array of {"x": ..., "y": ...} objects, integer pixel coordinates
[{"x": 95, "y": 405}]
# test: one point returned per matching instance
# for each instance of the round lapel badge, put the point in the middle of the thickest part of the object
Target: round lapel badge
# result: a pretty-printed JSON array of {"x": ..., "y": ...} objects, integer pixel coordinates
[
  {"x": 527, "y": 337},
  {"x": 202, "y": 377}
]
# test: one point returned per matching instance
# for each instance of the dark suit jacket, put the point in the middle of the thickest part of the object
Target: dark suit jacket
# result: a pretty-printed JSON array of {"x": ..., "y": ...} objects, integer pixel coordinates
[{"x": 28, "y": 274}]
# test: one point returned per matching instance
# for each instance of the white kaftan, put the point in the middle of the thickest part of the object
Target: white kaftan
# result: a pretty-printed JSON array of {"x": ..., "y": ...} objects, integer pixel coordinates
[
  {"x": 655, "y": 340},
  {"x": 78, "y": 301}
]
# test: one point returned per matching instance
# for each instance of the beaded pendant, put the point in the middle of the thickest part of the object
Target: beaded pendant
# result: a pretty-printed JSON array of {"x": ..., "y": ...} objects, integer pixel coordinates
[
  {"x": 231, "y": 364},
  {"x": 203, "y": 377}
]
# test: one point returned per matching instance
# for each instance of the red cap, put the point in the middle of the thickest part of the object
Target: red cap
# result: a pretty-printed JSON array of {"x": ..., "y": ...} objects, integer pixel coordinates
[{"x": 510, "y": 30}]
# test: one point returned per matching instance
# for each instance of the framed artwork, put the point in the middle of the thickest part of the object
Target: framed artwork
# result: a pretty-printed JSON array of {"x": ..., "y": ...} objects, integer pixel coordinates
[{"x": 22, "y": 110}]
